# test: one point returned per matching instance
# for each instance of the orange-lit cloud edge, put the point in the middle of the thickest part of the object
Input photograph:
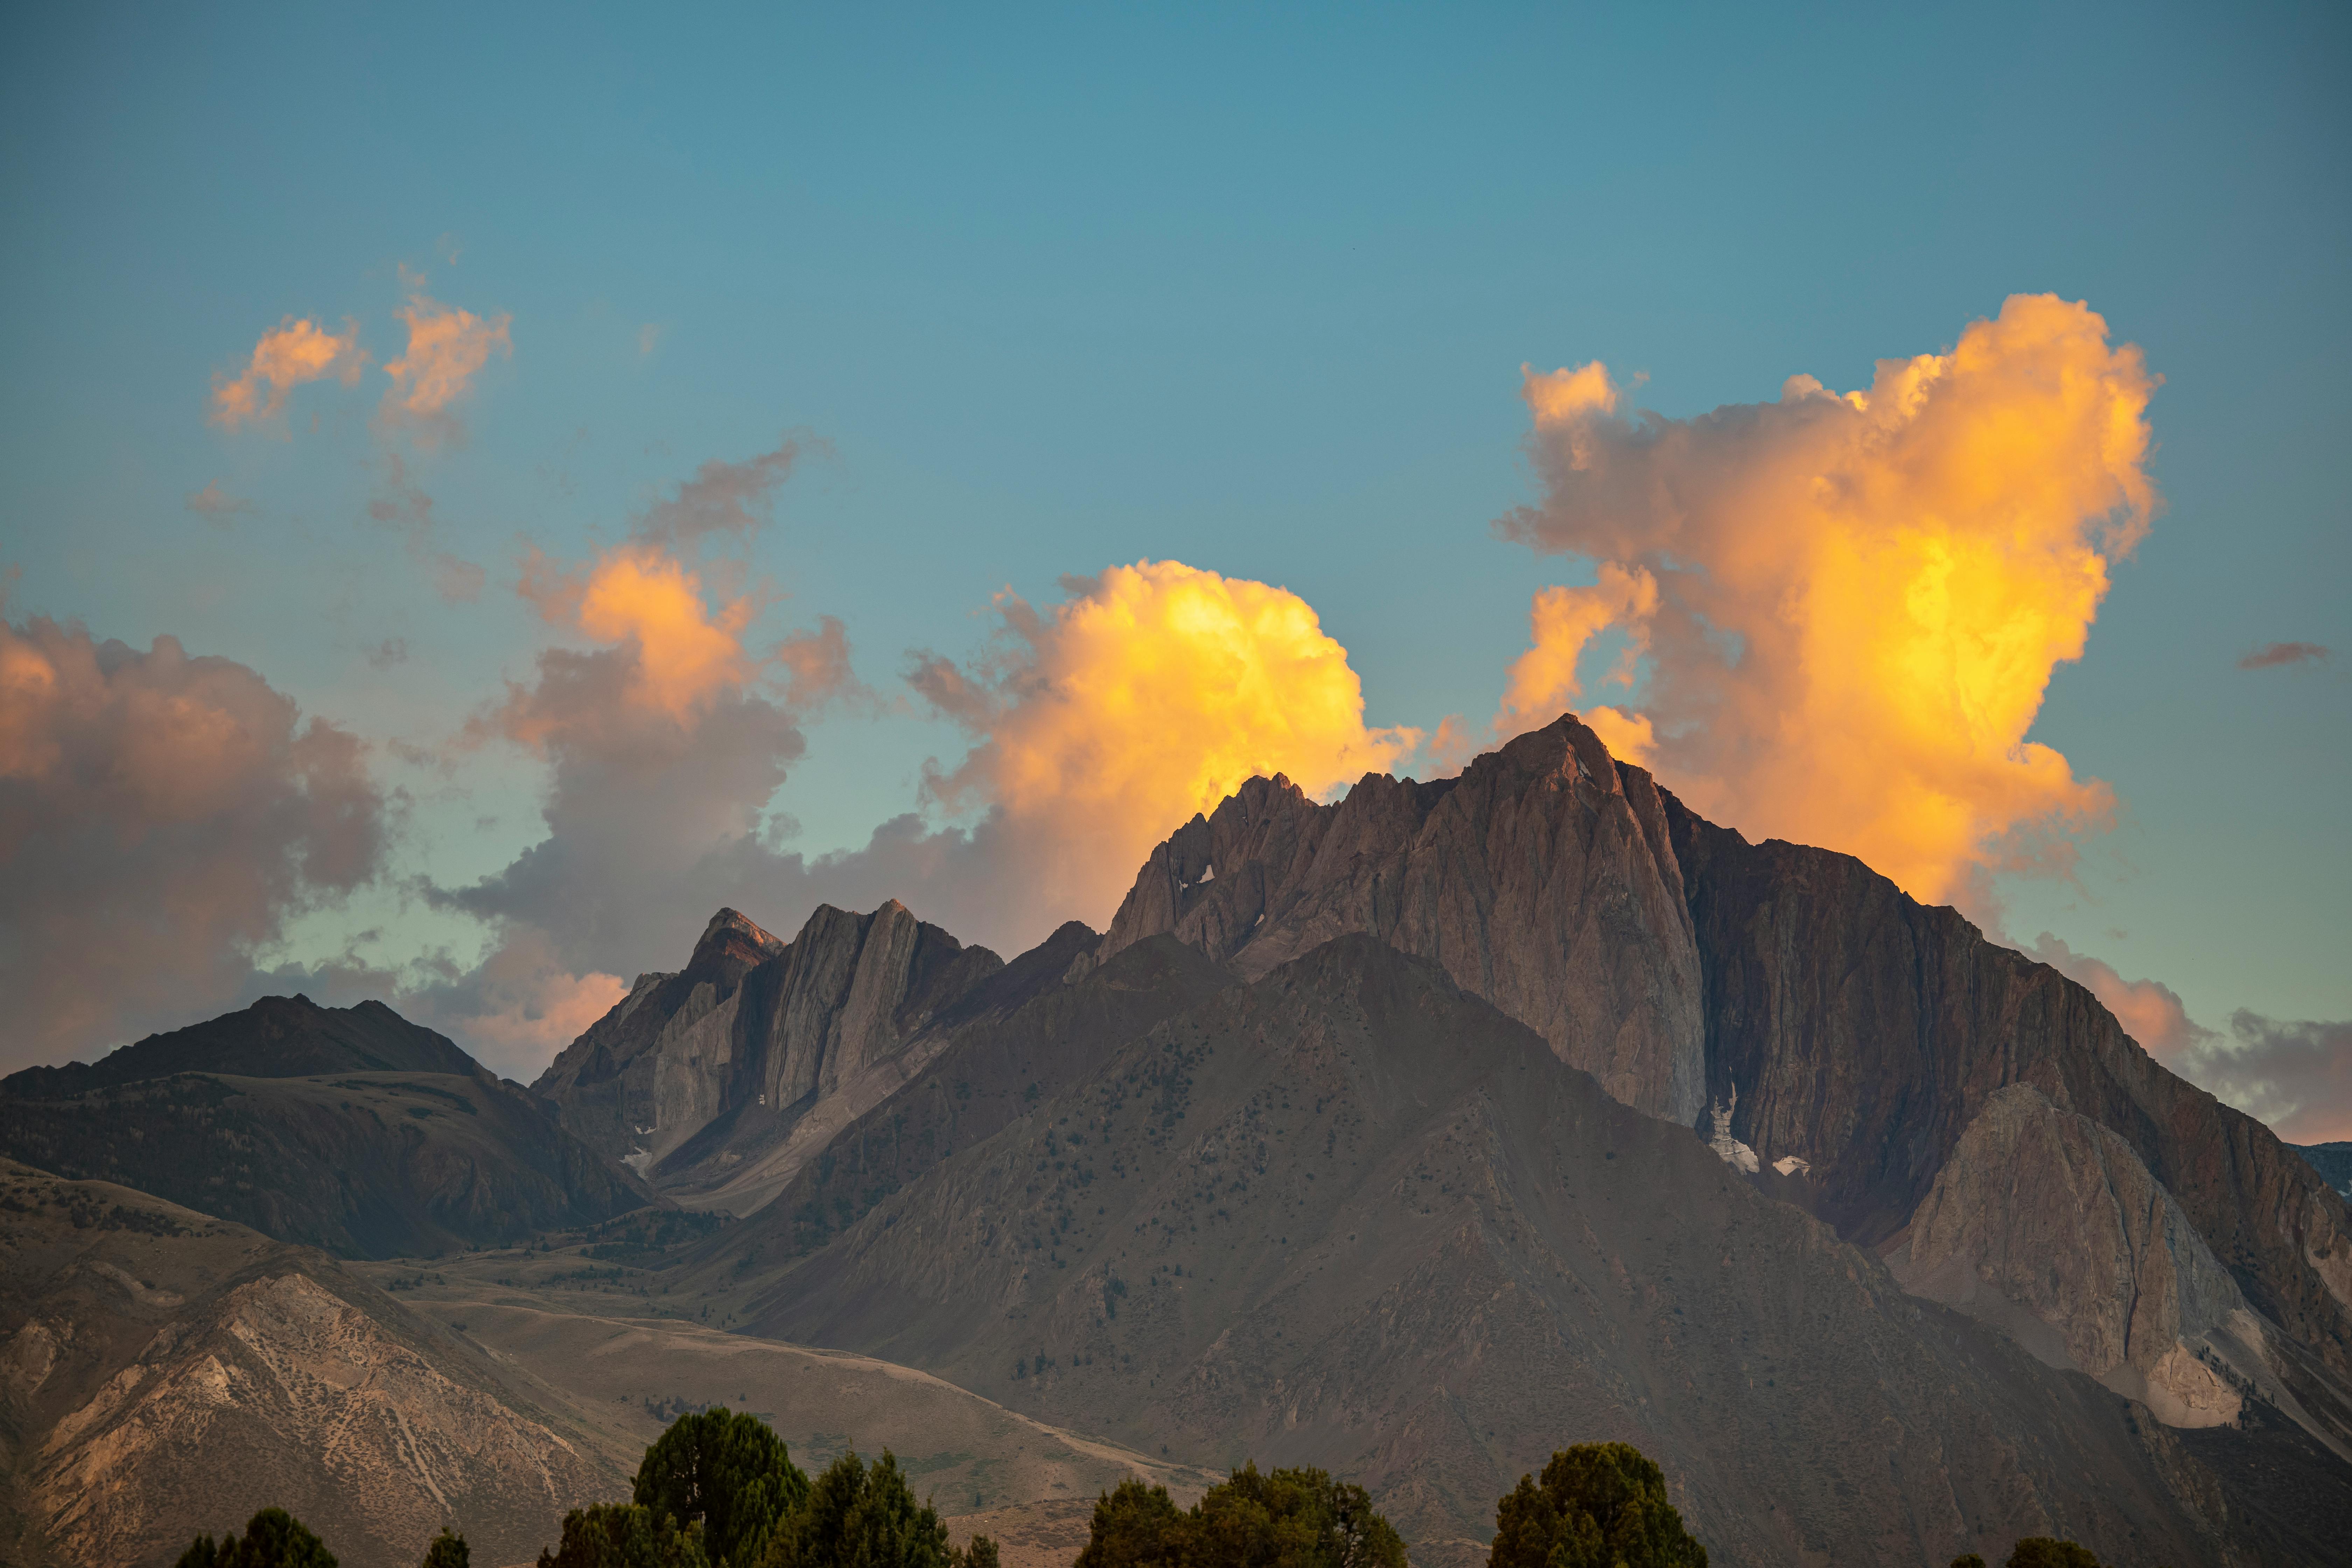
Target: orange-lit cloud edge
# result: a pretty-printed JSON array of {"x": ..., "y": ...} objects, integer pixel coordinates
[{"x": 1897, "y": 572}]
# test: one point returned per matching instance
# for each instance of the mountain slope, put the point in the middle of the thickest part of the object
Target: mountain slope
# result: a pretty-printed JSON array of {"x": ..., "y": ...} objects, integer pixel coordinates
[
  {"x": 1847, "y": 1031},
  {"x": 1349, "y": 1216},
  {"x": 421, "y": 1153},
  {"x": 988, "y": 1075},
  {"x": 163, "y": 1371}
]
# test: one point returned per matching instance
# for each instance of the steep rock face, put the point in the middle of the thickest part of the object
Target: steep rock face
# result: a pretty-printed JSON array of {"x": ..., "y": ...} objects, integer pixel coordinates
[
  {"x": 1865, "y": 1032},
  {"x": 711, "y": 1079},
  {"x": 609, "y": 1080},
  {"x": 1542, "y": 880},
  {"x": 2046, "y": 1211},
  {"x": 849, "y": 991},
  {"x": 163, "y": 1372},
  {"x": 1348, "y": 1215}
]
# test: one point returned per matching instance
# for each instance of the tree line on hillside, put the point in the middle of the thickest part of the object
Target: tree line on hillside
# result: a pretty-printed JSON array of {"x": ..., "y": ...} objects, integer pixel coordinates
[{"x": 718, "y": 1489}]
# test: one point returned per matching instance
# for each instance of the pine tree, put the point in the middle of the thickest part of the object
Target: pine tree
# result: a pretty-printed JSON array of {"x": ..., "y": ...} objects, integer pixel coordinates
[
  {"x": 863, "y": 1516},
  {"x": 2042, "y": 1552},
  {"x": 624, "y": 1536},
  {"x": 273, "y": 1538},
  {"x": 1278, "y": 1519},
  {"x": 728, "y": 1473},
  {"x": 1598, "y": 1505}
]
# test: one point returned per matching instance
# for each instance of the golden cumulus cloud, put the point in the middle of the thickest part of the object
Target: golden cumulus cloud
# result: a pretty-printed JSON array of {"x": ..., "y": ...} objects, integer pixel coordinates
[
  {"x": 1849, "y": 607},
  {"x": 689, "y": 648},
  {"x": 1150, "y": 694},
  {"x": 296, "y": 352}
]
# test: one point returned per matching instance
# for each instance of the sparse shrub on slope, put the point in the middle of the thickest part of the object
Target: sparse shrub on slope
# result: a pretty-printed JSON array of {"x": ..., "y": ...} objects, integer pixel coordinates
[
  {"x": 273, "y": 1538},
  {"x": 1598, "y": 1505},
  {"x": 2042, "y": 1552},
  {"x": 1282, "y": 1518}
]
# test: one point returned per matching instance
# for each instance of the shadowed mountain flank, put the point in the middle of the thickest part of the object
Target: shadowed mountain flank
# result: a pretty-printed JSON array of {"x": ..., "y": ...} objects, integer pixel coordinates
[
  {"x": 1865, "y": 1032},
  {"x": 353, "y": 1130},
  {"x": 277, "y": 1037},
  {"x": 1844, "y": 1033},
  {"x": 1349, "y": 1216},
  {"x": 992, "y": 1073}
]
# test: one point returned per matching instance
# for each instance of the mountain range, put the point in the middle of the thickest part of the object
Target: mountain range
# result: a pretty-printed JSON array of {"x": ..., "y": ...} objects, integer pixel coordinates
[{"x": 1413, "y": 1135}]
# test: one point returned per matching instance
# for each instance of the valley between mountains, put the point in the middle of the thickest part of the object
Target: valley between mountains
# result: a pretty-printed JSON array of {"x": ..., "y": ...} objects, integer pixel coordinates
[{"x": 1412, "y": 1136}]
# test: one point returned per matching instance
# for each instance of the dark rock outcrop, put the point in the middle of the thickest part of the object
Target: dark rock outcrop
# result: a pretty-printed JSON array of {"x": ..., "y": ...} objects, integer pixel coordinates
[{"x": 993, "y": 1072}]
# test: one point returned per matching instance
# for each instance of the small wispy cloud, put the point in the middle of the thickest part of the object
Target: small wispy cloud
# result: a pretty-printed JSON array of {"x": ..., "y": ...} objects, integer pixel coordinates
[
  {"x": 2272, "y": 655},
  {"x": 649, "y": 337},
  {"x": 216, "y": 506},
  {"x": 2297, "y": 1075},
  {"x": 447, "y": 347},
  {"x": 406, "y": 508},
  {"x": 294, "y": 353}
]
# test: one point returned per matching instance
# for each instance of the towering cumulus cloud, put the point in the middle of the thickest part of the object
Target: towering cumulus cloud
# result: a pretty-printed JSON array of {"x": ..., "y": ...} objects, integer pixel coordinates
[
  {"x": 666, "y": 733},
  {"x": 1150, "y": 694},
  {"x": 161, "y": 817},
  {"x": 295, "y": 353},
  {"x": 1847, "y": 607}
]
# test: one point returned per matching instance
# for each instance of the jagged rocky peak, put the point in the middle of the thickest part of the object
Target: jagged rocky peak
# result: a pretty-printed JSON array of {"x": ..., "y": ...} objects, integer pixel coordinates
[
  {"x": 1542, "y": 878},
  {"x": 732, "y": 937},
  {"x": 705, "y": 1068},
  {"x": 848, "y": 990}
]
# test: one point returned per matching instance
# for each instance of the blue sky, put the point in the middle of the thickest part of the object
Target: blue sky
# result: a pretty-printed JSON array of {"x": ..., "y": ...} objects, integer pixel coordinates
[{"x": 1061, "y": 289}]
